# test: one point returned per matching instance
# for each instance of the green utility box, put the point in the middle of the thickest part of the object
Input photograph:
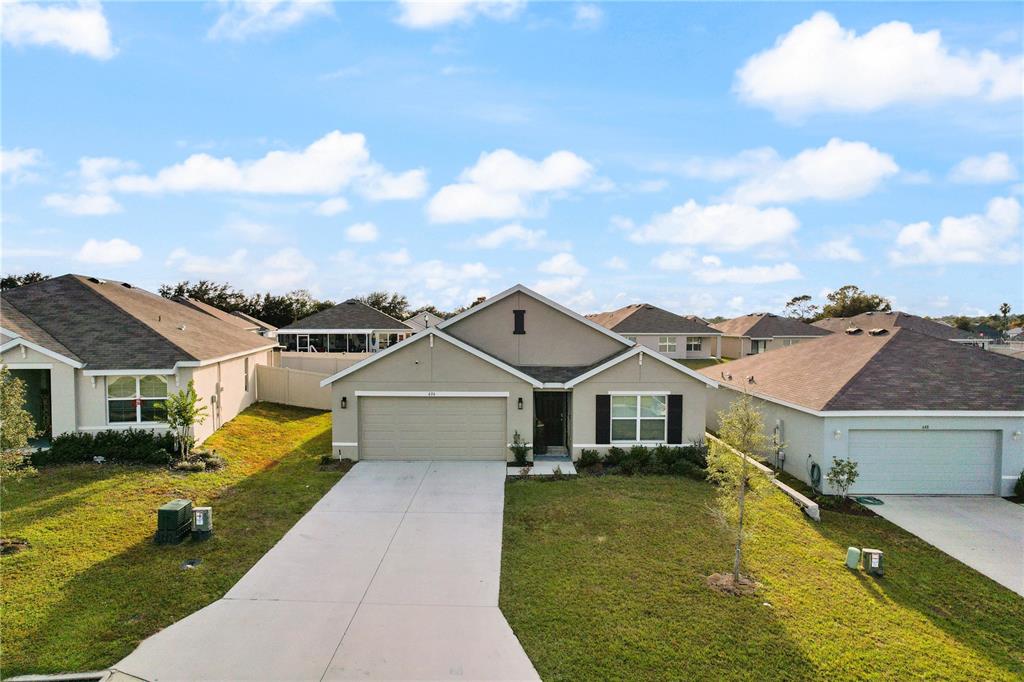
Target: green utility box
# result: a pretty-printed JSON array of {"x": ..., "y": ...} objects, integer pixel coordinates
[
  {"x": 173, "y": 522},
  {"x": 202, "y": 522},
  {"x": 872, "y": 561}
]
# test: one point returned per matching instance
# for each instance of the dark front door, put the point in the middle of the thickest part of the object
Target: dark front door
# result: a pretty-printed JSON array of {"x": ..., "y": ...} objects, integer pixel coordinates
[{"x": 551, "y": 420}]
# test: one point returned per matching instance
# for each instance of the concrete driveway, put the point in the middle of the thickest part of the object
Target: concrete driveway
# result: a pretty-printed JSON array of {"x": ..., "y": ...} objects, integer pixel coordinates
[
  {"x": 394, "y": 574},
  {"x": 986, "y": 533}
]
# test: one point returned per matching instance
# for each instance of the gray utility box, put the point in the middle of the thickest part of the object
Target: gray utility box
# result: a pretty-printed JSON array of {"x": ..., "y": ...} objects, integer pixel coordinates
[
  {"x": 873, "y": 561},
  {"x": 202, "y": 522},
  {"x": 173, "y": 522}
]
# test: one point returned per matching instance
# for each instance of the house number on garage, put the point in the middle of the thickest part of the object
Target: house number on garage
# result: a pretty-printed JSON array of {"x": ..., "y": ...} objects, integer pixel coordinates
[{"x": 431, "y": 394}]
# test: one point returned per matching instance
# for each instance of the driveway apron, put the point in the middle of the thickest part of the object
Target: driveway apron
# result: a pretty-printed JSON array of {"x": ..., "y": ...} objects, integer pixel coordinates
[{"x": 393, "y": 574}]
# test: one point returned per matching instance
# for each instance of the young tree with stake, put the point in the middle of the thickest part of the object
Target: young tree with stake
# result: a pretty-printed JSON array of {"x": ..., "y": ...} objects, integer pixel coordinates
[{"x": 184, "y": 412}]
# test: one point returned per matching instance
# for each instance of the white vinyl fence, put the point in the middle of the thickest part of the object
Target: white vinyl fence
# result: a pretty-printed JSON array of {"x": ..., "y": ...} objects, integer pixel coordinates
[
  {"x": 292, "y": 387},
  {"x": 324, "y": 363}
]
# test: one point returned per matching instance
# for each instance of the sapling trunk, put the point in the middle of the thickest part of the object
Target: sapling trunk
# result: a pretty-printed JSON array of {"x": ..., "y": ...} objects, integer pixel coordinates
[{"x": 738, "y": 558}]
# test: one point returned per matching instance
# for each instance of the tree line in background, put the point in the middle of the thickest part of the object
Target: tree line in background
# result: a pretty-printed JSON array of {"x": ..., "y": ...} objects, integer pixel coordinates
[{"x": 283, "y": 309}]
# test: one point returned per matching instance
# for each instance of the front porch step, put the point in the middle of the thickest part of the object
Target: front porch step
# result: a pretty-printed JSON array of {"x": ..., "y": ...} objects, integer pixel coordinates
[{"x": 556, "y": 451}]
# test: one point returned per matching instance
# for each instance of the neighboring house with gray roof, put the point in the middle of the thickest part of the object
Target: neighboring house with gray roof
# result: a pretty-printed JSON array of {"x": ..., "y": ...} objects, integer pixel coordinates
[
  {"x": 919, "y": 415},
  {"x": 760, "y": 332},
  {"x": 675, "y": 336},
  {"x": 237, "y": 319},
  {"x": 900, "y": 320},
  {"x": 349, "y": 327},
  {"x": 424, "y": 319},
  {"x": 98, "y": 354}
]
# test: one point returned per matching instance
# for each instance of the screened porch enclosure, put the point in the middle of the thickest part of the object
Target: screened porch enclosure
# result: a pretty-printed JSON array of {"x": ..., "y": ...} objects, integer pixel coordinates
[{"x": 347, "y": 342}]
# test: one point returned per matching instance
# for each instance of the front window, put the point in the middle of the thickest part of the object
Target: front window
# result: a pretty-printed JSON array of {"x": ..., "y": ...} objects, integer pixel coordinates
[
  {"x": 695, "y": 344},
  {"x": 136, "y": 399},
  {"x": 666, "y": 344},
  {"x": 758, "y": 346},
  {"x": 639, "y": 418},
  {"x": 631, "y": 338}
]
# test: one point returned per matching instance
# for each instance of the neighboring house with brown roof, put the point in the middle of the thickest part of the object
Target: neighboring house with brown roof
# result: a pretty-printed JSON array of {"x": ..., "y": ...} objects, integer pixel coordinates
[
  {"x": 675, "y": 336},
  {"x": 919, "y": 415},
  {"x": 899, "y": 320},
  {"x": 237, "y": 319},
  {"x": 349, "y": 327},
  {"x": 516, "y": 363},
  {"x": 98, "y": 354},
  {"x": 760, "y": 332}
]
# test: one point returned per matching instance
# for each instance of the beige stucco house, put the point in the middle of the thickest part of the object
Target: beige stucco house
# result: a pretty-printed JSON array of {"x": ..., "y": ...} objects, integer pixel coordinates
[
  {"x": 674, "y": 336},
  {"x": 760, "y": 332},
  {"x": 516, "y": 363},
  {"x": 98, "y": 354}
]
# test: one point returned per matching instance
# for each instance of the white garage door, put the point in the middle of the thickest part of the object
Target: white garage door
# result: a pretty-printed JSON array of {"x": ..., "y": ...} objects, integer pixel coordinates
[
  {"x": 432, "y": 428},
  {"x": 925, "y": 462}
]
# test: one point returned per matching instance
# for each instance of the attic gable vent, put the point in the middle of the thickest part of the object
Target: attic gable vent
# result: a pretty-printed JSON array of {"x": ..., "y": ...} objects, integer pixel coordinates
[
  {"x": 878, "y": 331},
  {"x": 853, "y": 331}
]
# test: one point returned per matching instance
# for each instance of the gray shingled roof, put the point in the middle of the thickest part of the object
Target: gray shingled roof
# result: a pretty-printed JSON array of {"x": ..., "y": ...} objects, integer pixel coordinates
[
  {"x": 894, "y": 320},
  {"x": 562, "y": 373},
  {"x": 899, "y": 370},
  {"x": 640, "y": 318},
  {"x": 351, "y": 314},
  {"x": 767, "y": 326},
  {"x": 112, "y": 325}
]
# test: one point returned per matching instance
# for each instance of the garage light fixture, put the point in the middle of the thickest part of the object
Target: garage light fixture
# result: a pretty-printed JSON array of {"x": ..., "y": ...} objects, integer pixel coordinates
[
  {"x": 344, "y": 402},
  {"x": 838, "y": 434},
  {"x": 1016, "y": 435}
]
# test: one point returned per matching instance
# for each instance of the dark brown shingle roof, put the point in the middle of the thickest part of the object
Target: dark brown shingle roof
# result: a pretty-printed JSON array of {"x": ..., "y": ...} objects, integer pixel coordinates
[
  {"x": 112, "y": 325},
  {"x": 900, "y": 370},
  {"x": 15, "y": 321},
  {"x": 214, "y": 311},
  {"x": 767, "y": 326},
  {"x": 351, "y": 314},
  {"x": 894, "y": 320},
  {"x": 640, "y": 318}
]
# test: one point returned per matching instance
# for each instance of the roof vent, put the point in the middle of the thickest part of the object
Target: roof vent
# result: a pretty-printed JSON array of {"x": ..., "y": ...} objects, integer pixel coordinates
[
  {"x": 878, "y": 331},
  {"x": 750, "y": 379},
  {"x": 727, "y": 375},
  {"x": 126, "y": 285},
  {"x": 351, "y": 301},
  {"x": 853, "y": 331},
  {"x": 181, "y": 327},
  {"x": 95, "y": 280}
]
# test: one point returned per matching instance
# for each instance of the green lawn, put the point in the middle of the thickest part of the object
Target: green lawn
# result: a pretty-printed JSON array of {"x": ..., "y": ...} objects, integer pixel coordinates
[
  {"x": 702, "y": 362},
  {"x": 93, "y": 584},
  {"x": 603, "y": 578}
]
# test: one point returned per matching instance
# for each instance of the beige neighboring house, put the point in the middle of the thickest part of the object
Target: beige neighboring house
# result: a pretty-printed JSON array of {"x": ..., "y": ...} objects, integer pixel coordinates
[
  {"x": 423, "y": 320},
  {"x": 675, "y": 336},
  {"x": 237, "y": 319},
  {"x": 98, "y": 354},
  {"x": 516, "y": 363},
  {"x": 900, "y": 320},
  {"x": 760, "y": 332},
  {"x": 919, "y": 415}
]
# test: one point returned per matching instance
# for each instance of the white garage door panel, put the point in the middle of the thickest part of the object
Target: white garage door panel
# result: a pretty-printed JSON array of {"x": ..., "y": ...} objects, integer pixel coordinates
[
  {"x": 432, "y": 428},
  {"x": 925, "y": 462}
]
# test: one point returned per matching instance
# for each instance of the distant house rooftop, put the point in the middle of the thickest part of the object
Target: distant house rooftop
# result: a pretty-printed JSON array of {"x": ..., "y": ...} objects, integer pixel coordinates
[
  {"x": 349, "y": 316},
  {"x": 767, "y": 326},
  {"x": 644, "y": 318},
  {"x": 895, "y": 320}
]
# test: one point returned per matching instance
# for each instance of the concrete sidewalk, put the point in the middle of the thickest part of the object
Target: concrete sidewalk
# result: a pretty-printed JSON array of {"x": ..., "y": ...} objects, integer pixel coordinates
[
  {"x": 986, "y": 533},
  {"x": 394, "y": 574}
]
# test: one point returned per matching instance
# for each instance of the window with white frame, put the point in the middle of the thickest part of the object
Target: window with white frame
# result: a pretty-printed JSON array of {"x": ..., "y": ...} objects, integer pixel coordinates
[
  {"x": 666, "y": 344},
  {"x": 758, "y": 346},
  {"x": 639, "y": 418},
  {"x": 136, "y": 399},
  {"x": 630, "y": 338},
  {"x": 694, "y": 343}
]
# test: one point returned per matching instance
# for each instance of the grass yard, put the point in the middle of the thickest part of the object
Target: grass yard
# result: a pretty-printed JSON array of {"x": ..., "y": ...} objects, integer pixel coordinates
[
  {"x": 603, "y": 578},
  {"x": 93, "y": 584},
  {"x": 701, "y": 363}
]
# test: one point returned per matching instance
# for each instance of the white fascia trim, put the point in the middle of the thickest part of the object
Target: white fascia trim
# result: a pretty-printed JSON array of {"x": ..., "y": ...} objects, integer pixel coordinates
[
  {"x": 430, "y": 333},
  {"x": 344, "y": 445},
  {"x": 222, "y": 358},
  {"x": 124, "y": 426},
  {"x": 431, "y": 394},
  {"x": 519, "y": 288},
  {"x": 125, "y": 372},
  {"x": 1008, "y": 414},
  {"x": 344, "y": 331},
  {"x": 27, "y": 365},
  {"x": 663, "y": 392},
  {"x": 641, "y": 350},
  {"x": 677, "y": 334},
  {"x": 22, "y": 341}
]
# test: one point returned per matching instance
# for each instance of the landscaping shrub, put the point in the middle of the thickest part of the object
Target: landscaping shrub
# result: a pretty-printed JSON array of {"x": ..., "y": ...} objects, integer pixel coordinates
[
  {"x": 128, "y": 446},
  {"x": 614, "y": 457},
  {"x": 636, "y": 461},
  {"x": 1018, "y": 487},
  {"x": 588, "y": 458}
]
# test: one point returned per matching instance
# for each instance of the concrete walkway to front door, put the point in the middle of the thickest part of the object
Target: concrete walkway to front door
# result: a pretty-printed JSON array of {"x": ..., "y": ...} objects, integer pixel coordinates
[
  {"x": 394, "y": 574},
  {"x": 986, "y": 533}
]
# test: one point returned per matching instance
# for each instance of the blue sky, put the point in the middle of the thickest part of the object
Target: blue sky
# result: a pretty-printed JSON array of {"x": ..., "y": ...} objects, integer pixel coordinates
[{"x": 712, "y": 159}]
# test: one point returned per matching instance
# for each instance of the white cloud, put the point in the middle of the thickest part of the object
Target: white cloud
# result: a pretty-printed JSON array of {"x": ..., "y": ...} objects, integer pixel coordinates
[
  {"x": 747, "y": 162},
  {"x": 616, "y": 263},
  {"x": 361, "y": 232},
  {"x": 240, "y": 19},
  {"x": 839, "y": 170},
  {"x": 80, "y": 29},
  {"x": 251, "y": 231},
  {"x": 562, "y": 264},
  {"x": 587, "y": 16},
  {"x": 726, "y": 227},
  {"x": 820, "y": 66},
  {"x": 332, "y": 207},
  {"x": 427, "y": 14},
  {"x": 713, "y": 261},
  {"x": 989, "y": 238},
  {"x": 681, "y": 259},
  {"x": 566, "y": 290},
  {"x": 841, "y": 248},
  {"x": 755, "y": 274},
  {"x": 379, "y": 185},
  {"x": 284, "y": 270},
  {"x": 326, "y": 166},
  {"x": 501, "y": 184},
  {"x": 15, "y": 163},
  {"x": 192, "y": 264},
  {"x": 83, "y": 204},
  {"x": 510, "y": 234},
  {"x": 111, "y": 252},
  {"x": 94, "y": 172},
  {"x": 395, "y": 258},
  {"x": 991, "y": 168}
]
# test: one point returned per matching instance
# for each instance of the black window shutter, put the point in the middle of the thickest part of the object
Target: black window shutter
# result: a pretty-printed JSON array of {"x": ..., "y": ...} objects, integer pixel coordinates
[
  {"x": 675, "y": 419},
  {"x": 519, "y": 321},
  {"x": 603, "y": 420}
]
